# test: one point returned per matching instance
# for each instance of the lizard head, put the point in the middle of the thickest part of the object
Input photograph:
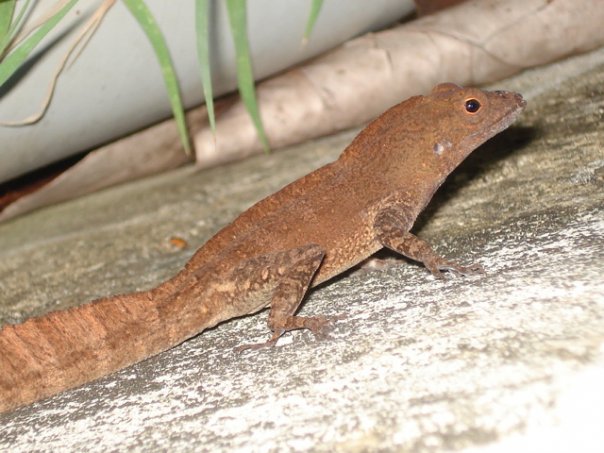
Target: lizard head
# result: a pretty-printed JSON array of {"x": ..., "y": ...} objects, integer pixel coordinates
[
  {"x": 419, "y": 142},
  {"x": 464, "y": 118}
]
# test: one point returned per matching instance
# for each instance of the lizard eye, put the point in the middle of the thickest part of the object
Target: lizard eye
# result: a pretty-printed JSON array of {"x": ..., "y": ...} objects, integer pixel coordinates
[{"x": 472, "y": 105}]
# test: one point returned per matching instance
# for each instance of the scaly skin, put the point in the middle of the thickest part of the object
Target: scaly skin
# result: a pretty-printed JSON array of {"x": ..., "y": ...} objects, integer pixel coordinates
[{"x": 311, "y": 230}]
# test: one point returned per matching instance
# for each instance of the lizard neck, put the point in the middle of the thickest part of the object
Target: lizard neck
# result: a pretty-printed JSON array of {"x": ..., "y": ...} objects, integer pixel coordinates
[{"x": 411, "y": 182}]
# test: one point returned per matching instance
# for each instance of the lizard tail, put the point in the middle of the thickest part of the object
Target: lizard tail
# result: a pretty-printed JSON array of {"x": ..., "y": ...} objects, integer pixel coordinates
[{"x": 48, "y": 354}]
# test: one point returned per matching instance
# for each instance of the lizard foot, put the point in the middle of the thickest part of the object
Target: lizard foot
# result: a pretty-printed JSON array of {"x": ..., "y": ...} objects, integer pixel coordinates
[
  {"x": 255, "y": 346},
  {"x": 320, "y": 326},
  {"x": 437, "y": 268}
]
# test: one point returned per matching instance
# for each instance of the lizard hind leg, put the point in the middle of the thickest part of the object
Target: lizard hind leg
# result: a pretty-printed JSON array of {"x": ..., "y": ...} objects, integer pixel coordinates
[{"x": 293, "y": 273}]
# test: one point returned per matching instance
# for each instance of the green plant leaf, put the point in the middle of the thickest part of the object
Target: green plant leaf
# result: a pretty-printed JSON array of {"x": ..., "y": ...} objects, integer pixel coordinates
[
  {"x": 202, "y": 12},
  {"x": 147, "y": 22},
  {"x": 7, "y": 7},
  {"x": 315, "y": 9},
  {"x": 15, "y": 26},
  {"x": 13, "y": 60},
  {"x": 245, "y": 77}
]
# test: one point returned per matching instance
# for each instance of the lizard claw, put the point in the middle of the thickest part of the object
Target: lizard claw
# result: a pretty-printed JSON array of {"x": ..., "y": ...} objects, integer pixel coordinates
[
  {"x": 457, "y": 269},
  {"x": 256, "y": 346},
  {"x": 472, "y": 269},
  {"x": 320, "y": 326}
]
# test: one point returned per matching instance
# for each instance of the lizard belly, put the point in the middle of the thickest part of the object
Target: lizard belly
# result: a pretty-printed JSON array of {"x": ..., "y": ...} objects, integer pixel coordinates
[{"x": 346, "y": 255}]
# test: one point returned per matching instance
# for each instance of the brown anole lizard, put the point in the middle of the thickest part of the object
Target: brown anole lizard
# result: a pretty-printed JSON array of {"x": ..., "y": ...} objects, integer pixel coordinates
[{"x": 311, "y": 230}]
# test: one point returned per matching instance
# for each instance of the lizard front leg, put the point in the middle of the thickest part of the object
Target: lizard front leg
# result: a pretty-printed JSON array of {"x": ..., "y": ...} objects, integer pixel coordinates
[
  {"x": 389, "y": 227},
  {"x": 291, "y": 272}
]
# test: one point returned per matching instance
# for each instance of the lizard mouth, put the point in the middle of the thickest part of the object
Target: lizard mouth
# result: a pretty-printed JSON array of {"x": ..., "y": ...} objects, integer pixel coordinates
[
  {"x": 503, "y": 121},
  {"x": 510, "y": 116}
]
